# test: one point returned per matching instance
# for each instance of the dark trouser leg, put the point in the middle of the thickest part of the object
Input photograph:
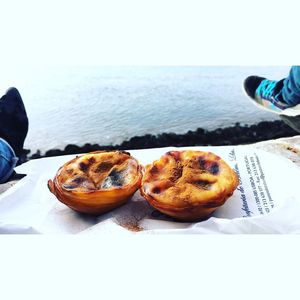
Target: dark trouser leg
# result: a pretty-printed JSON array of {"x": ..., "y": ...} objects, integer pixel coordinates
[
  {"x": 291, "y": 94},
  {"x": 291, "y": 87},
  {"x": 13, "y": 120}
]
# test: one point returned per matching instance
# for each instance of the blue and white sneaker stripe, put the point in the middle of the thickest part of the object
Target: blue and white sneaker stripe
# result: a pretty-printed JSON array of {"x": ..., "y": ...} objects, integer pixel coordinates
[{"x": 265, "y": 95}]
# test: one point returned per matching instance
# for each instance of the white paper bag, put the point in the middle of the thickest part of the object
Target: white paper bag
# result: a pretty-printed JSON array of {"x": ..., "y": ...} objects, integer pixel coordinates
[{"x": 266, "y": 201}]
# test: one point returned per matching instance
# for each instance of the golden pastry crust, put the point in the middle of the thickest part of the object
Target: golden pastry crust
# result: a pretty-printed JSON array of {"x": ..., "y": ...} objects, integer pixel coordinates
[
  {"x": 188, "y": 185},
  {"x": 97, "y": 182}
]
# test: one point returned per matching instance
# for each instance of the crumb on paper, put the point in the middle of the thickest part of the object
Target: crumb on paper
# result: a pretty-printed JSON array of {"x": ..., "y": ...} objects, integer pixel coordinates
[
  {"x": 132, "y": 227},
  {"x": 292, "y": 149}
]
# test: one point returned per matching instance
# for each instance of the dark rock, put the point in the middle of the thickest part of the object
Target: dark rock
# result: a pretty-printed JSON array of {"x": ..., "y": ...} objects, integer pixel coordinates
[
  {"x": 235, "y": 135},
  {"x": 70, "y": 149},
  {"x": 54, "y": 152},
  {"x": 36, "y": 155}
]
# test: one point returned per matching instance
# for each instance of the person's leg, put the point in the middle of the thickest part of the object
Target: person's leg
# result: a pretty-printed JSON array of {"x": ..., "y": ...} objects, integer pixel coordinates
[
  {"x": 8, "y": 160},
  {"x": 13, "y": 120},
  {"x": 273, "y": 95},
  {"x": 291, "y": 87}
]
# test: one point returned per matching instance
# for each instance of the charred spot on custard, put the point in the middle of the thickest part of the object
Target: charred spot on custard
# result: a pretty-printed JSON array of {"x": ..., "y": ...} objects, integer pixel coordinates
[
  {"x": 103, "y": 167},
  {"x": 74, "y": 183},
  {"x": 209, "y": 166},
  {"x": 78, "y": 180},
  {"x": 91, "y": 161},
  {"x": 214, "y": 168},
  {"x": 69, "y": 186},
  {"x": 156, "y": 190},
  {"x": 83, "y": 167},
  {"x": 114, "y": 179},
  {"x": 154, "y": 170},
  {"x": 203, "y": 184},
  {"x": 201, "y": 161}
]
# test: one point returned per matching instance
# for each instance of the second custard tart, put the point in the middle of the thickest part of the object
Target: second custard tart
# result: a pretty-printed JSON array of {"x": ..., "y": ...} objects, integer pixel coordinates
[
  {"x": 188, "y": 185},
  {"x": 97, "y": 182}
]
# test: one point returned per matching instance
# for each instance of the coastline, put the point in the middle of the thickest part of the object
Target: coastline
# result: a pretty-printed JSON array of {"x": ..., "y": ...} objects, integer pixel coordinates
[{"x": 234, "y": 135}]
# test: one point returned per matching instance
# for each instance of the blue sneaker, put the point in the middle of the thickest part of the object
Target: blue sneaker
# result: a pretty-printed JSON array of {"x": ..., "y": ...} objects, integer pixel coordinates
[{"x": 266, "y": 93}]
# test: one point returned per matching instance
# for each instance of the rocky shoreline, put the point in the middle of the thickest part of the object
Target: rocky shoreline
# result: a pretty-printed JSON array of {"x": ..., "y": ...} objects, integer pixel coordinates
[{"x": 234, "y": 135}]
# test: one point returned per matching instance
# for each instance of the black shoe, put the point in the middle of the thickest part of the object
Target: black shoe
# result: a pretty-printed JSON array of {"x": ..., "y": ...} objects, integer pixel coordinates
[
  {"x": 13, "y": 120},
  {"x": 251, "y": 84}
]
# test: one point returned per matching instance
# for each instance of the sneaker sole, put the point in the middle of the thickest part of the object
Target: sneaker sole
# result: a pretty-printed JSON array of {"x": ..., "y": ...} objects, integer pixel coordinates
[
  {"x": 292, "y": 111},
  {"x": 261, "y": 106}
]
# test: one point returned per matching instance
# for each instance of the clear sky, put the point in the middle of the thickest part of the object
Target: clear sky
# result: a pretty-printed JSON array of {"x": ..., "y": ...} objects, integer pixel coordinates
[{"x": 156, "y": 32}]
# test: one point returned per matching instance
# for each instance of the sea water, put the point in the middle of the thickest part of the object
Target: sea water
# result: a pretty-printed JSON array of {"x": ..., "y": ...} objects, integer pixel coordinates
[{"x": 107, "y": 105}]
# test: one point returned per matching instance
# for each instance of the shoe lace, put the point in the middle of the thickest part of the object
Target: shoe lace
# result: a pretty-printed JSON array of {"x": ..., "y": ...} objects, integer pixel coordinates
[{"x": 266, "y": 89}]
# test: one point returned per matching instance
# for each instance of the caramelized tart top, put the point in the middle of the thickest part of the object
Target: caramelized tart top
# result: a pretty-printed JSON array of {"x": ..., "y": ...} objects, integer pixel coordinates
[
  {"x": 101, "y": 170},
  {"x": 189, "y": 178}
]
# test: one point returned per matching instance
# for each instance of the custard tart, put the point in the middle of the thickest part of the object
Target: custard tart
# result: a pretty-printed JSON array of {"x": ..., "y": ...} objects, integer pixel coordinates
[
  {"x": 188, "y": 185},
  {"x": 97, "y": 182}
]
